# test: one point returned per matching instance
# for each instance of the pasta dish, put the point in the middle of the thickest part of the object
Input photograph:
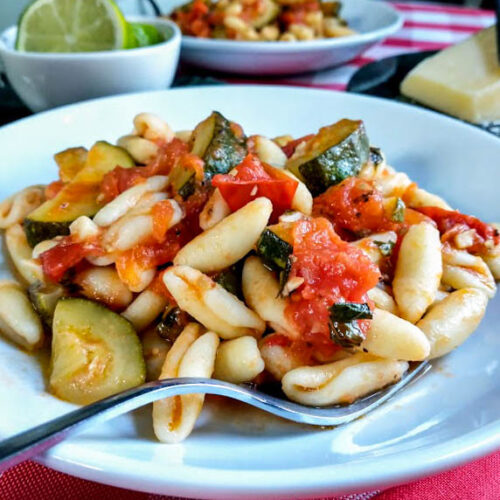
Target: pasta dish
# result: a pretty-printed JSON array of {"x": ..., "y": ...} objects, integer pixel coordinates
[
  {"x": 307, "y": 265},
  {"x": 262, "y": 20}
]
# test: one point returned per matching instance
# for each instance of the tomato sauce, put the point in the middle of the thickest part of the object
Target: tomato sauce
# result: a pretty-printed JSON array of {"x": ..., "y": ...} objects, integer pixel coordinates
[
  {"x": 451, "y": 223},
  {"x": 333, "y": 271}
]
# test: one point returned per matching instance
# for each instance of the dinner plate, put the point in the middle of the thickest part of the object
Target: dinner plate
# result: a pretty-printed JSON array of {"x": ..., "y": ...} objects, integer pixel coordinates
[
  {"x": 445, "y": 418},
  {"x": 374, "y": 21}
]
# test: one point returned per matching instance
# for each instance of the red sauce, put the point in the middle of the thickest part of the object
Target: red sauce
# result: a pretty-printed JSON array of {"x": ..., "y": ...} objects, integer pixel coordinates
[
  {"x": 354, "y": 205},
  {"x": 451, "y": 222},
  {"x": 194, "y": 19},
  {"x": 332, "y": 270},
  {"x": 120, "y": 179},
  {"x": 296, "y": 13},
  {"x": 162, "y": 213}
]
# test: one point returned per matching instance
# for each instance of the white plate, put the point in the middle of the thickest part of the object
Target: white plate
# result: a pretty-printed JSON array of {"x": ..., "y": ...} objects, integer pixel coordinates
[
  {"x": 445, "y": 418},
  {"x": 373, "y": 21}
]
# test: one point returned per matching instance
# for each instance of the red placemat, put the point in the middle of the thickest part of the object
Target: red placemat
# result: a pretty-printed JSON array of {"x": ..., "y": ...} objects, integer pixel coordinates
[{"x": 479, "y": 480}]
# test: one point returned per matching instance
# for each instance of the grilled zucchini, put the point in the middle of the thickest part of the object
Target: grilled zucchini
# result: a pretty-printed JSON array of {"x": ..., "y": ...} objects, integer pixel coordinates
[
  {"x": 215, "y": 141},
  {"x": 77, "y": 198},
  {"x": 333, "y": 154}
]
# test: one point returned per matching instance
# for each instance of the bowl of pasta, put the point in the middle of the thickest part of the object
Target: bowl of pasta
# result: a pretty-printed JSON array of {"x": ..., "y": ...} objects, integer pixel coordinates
[
  {"x": 271, "y": 37},
  {"x": 315, "y": 260}
]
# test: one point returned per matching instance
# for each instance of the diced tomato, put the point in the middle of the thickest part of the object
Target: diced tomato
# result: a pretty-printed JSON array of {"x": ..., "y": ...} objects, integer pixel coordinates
[
  {"x": 354, "y": 205},
  {"x": 158, "y": 286},
  {"x": 296, "y": 13},
  {"x": 65, "y": 255},
  {"x": 194, "y": 19},
  {"x": 162, "y": 213},
  {"x": 290, "y": 147},
  {"x": 52, "y": 190},
  {"x": 332, "y": 271},
  {"x": 120, "y": 179},
  {"x": 132, "y": 263},
  {"x": 254, "y": 179},
  {"x": 452, "y": 222}
]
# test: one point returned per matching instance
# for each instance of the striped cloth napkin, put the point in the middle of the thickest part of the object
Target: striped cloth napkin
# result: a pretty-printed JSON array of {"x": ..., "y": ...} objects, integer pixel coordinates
[{"x": 426, "y": 27}]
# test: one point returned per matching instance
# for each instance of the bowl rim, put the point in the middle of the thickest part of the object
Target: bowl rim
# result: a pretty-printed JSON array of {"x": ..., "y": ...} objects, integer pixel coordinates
[
  {"x": 192, "y": 42},
  {"x": 62, "y": 56}
]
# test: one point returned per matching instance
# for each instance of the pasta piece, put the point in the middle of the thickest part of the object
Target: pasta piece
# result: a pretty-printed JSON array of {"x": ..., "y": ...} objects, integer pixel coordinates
[
  {"x": 138, "y": 279},
  {"x": 132, "y": 230},
  {"x": 386, "y": 179},
  {"x": 102, "y": 284},
  {"x": 191, "y": 355},
  {"x": 372, "y": 244},
  {"x": 128, "y": 199},
  {"x": 152, "y": 127},
  {"x": 228, "y": 241},
  {"x": 391, "y": 337},
  {"x": 451, "y": 321},
  {"x": 211, "y": 304},
  {"x": 21, "y": 254},
  {"x": 15, "y": 208},
  {"x": 214, "y": 211},
  {"x": 415, "y": 197},
  {"x": 342, "y": 381},
  {"x": 383, "y": 300},
  {"x": 261, "y": 292},
  {"x": 184, "y": 135},
  {"x": 269, "y": 152},
  {"x": 18, "y": 320},
  {"x": 102, "y": 260},
  {"x": 418, "y": 271},
  {"x": 141, "y": 150},
  {"x": 278, "y": 359},
  {"x": 463, "y": 270},
  {"x": 302, "y": 199},
  {"x": 238, "y": 360},
  {"x": 145, "y": 308},
  {"x": 84, "y": 229},
  {"x": 155, "y": 351},
  {"x": 45, "y": 245}
]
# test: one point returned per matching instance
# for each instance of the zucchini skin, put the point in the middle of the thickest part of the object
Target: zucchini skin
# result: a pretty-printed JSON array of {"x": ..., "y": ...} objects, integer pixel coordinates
[
  {"x": 337, "y": 163},
  {"x": 275, "y": 254},
  {"x": 224, "y": 150},
  {"x": 37, "y": 231}
]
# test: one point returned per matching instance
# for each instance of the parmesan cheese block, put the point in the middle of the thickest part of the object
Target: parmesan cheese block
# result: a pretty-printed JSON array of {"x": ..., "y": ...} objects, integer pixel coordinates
[{"x": 463, "y": 80}]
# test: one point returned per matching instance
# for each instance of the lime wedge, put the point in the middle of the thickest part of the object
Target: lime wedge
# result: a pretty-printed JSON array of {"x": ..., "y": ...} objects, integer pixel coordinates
[
  {"x": 72, "y": 26},
  {"x": 145, "y": 34}
]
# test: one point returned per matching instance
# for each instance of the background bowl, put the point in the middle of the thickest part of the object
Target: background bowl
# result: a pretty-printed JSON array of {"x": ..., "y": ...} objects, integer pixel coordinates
[
  {"x": 46, "y": 80},
  {"x": 373, "y": 21}
]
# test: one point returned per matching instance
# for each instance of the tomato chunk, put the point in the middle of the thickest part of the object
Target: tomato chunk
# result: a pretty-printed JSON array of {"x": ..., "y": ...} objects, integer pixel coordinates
[
  {"x": 332, "y": 271},
  {"x": 452, "y": 222},
  {"x": 254, "y": 179},
  {"x": 290, "y": 147},
  {"x": 65, "y": 255},
  {"x": 354, "y": 205}
]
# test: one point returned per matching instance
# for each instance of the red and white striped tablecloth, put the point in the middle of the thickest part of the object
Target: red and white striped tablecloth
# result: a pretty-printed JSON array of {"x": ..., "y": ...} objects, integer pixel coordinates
[{"x": 426, "y": 27}]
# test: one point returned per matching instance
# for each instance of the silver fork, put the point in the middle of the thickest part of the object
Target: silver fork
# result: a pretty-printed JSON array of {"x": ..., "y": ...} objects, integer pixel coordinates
[{"x": 37, "y": 440}]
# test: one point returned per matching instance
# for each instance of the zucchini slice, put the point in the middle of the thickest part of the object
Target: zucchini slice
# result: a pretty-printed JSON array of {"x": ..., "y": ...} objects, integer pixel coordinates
[
  {"x": 95, "y": 352},
  {"x": 215, "y": 141},
  {"x": 275, "y": 253},
  {"x": 344, "y": 328},
  {"x": 77, "y": 198},
  {"x": 44, "y": 298},
  {"x": 183, "y": 180},
  {"x": 333, "y": 154},
  {"x": 70, "y": 162}
]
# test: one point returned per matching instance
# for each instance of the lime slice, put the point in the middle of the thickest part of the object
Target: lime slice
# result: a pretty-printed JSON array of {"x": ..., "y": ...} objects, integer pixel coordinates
[
  {"x": 145, "y": 34},
  {"x": 72, "y": 26}
]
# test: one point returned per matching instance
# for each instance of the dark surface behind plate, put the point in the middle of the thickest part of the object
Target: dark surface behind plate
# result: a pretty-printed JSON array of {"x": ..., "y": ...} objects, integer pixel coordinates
[{"x": 382, "y": 79}]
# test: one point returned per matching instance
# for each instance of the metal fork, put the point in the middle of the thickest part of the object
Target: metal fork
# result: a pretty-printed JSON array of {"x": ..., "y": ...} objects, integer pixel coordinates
[{"x": 37, "y": 440}]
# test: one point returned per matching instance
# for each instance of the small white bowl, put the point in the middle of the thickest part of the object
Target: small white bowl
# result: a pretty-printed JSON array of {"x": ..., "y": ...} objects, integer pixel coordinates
[{"x": 46, "y": 80}]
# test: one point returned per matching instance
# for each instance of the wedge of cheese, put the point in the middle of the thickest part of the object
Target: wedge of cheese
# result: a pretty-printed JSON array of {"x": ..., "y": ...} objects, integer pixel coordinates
[{"x": 463, "y": 80}]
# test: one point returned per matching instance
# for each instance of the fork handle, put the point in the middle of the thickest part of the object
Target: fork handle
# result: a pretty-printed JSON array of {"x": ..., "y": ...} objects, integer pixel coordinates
[{"x": 39, "y": 439}]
